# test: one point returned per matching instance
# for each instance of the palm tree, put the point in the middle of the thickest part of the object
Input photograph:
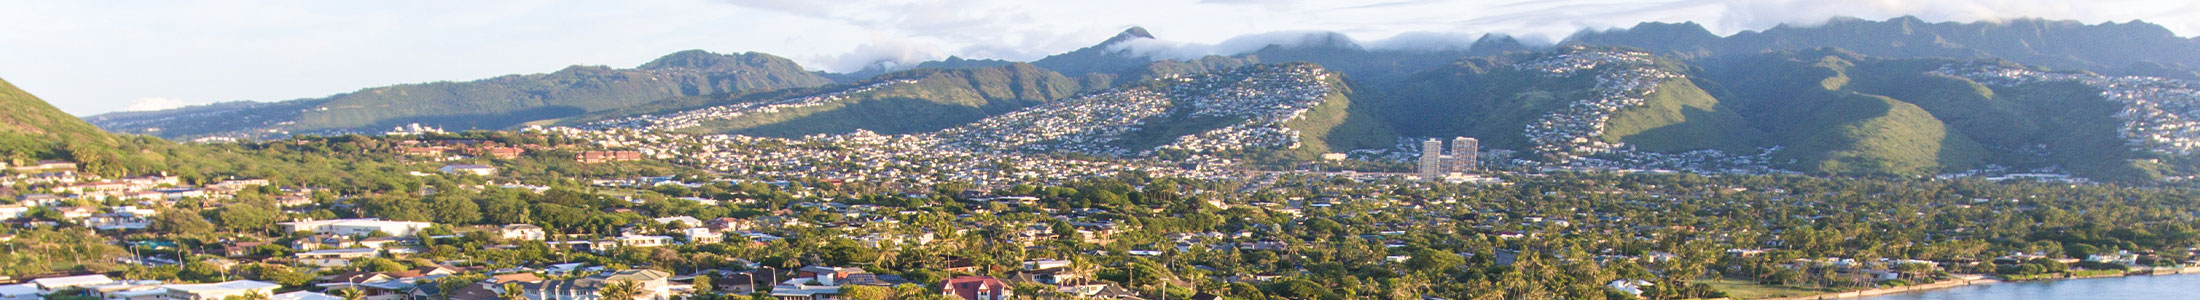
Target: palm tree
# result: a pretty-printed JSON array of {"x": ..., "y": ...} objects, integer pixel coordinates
[
  {"x": 351, "y": 293},
  {"x": 620, "y": 291},
  {"x": 512, "y": 291}
]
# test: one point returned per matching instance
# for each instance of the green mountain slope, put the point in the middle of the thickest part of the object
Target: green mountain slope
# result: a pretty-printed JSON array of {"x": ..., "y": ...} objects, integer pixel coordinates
[
  {"x": 1834, "y": 116},
  {"x": 902, "y": 102},
  {"x": 494, "y": 103},
  {"x": 504, "y": 101},
  {"x": 2133, "y": 48},
  {"x": 1859, "y": 134},
  {"x": 1338, "y": 124},
  {"x": 1679, "y": 117},
  {"x": 32, "y": 130},
  {"x": 25, "y": 116}
]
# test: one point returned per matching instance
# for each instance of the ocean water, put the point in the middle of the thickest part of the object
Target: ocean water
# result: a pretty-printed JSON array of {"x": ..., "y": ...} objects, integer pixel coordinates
[{"x": 2164, "y": 287}]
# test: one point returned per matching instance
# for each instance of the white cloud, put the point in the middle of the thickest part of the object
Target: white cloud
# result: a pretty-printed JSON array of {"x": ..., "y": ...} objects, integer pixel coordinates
[
  {"x": 155, "y": 103},
  {"x": 885, "y": 52},
  {"x": 75, "y": 52}
]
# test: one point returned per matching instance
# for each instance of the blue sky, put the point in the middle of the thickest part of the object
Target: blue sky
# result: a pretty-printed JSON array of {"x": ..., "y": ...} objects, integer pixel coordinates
[{"x": 90, "y": 57}]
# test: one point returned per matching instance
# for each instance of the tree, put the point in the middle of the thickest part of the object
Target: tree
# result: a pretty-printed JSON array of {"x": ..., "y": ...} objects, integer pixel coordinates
[
  {"x": 702, "y": 284},
  {"x": 620, "y": 291},
  {"x": 863, "y": 292},
  {"x": 350, "y": 293},
  {"x": 512, "y": 291},
  {"x": 245, "y": 217},
  {"x": 1434, "y": 261},
  {"x": 454, "y": 208},
  {"x": 181, "y": 222}
]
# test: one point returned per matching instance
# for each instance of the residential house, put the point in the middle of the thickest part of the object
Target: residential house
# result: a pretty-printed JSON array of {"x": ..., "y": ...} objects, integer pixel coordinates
[
  {"x": 24, "y": 291},
  {"x": 593, "y": 157},
  {"x": 630, "y": 240},
  {"x": 303, "y": 295},
  {"x": 654, "y": 284},
  {"x": 51, "y": 285},
  {"x": 817, "y": 283},
  {"x": 219, "y": 290},
  {"x": 976, "y": 288},
  {"x": 700, "y": 235},
  {"x": 522, "y": 232},
  {"x": 356, "y": 227},
  {"x": 348, "y": 253},
  {"x": 48, "y": 200},
  {"x": 479, "y": 170},
  {"x": 128, "y": 290}
]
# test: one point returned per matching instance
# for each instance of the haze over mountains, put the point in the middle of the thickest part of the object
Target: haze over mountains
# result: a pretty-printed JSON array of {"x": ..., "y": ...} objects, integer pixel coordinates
[{"x": 1856, "y": 97}]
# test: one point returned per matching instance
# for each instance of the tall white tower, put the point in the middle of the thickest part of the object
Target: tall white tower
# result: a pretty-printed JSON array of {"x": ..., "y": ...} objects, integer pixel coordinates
[
  {"x": 1463, "y": 155},
  {"x": 1432, "y": 160}
]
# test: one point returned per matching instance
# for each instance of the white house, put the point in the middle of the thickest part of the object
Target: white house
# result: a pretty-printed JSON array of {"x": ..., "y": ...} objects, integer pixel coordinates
[
  {"x": 702, "y": 235},
  {"x": 470, "y": 169},
  {"x": 525, "y": 232},
  {"x": 644, "y": 240},
  {"x": 303, "y": 295},
  {"x": 12, "y": 211},
  {"x": 356, "y": 227},
  {"x": 25, "y": 291},
  {"x": 55, "y": 284},
  {"x": 219, "y": 290}
]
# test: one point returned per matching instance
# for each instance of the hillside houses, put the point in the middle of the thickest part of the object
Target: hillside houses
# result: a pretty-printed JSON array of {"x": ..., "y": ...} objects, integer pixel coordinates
[{"x": 356, "y": 227}]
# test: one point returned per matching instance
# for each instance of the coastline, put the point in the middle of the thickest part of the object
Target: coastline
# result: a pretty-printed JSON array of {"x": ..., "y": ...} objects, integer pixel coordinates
[
  {"x": 1974, "y": 279},
  {"x": 1980, "y": 280}
]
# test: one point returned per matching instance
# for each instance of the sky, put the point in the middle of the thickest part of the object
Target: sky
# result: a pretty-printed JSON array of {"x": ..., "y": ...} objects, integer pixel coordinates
[{"x": 91, "y": 57}]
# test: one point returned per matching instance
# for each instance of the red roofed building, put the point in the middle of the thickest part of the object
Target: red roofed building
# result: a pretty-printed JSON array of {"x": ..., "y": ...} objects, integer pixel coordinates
[
  {"x": 976, "y": 288},
  {"x": 500, "y": 152},
  {"x": 592, "y": 157}
]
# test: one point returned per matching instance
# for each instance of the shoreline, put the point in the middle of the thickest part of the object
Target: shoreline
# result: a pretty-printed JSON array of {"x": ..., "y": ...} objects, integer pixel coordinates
[
  {"x": 1962, "y": 282},
  {"x": 1895, "y": 290}
]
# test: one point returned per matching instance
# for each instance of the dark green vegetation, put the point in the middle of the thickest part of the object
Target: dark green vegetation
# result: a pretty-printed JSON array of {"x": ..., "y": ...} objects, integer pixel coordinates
[
  {"x": 936, "y": 99},
  {"x": 494, "y": 103},
  {"x": 32, "y": 130},
  {"x": 505, "y": 101},
  {"x": 29, "y": 126},
  {"x": 1910, "y": 120},
  {"x": 1833, "y": 115},
  {"x": 1851, "y": 97},
  {"x": 940, "y": 98},
  {"x": 1832, "y": 111},
  {"x": 2134, "y": 48},
  {"x": 1338, "y": 124}
]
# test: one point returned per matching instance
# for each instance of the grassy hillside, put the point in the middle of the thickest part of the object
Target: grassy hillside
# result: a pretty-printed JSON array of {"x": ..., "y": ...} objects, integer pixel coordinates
[
  {"x": 505, "y": 101},
  {"x": 26, "y": 117},
  {"x": 939, "y": 98},
  {"x": 2131, "y": 48},
  {"x": 494, "y": 103},
  {"x": 1480, "y": 97},
  {"x": 1338, "y": 124},
  {"x": 1681, "y": 117},
  {"x": 1859, "y": 134},
  {"x": 32, "y": 129}
]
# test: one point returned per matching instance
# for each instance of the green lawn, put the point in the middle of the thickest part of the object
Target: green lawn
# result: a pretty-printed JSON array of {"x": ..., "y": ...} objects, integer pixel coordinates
[{"x": 1743, "y": 289}]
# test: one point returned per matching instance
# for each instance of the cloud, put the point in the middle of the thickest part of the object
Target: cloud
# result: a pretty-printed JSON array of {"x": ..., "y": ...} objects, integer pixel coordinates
[
  {"x": 155, "y": 103},
  {"x": 1426, "y": 41},
  {"x": 263, "y": 50},
  {"x": 883, "y": 52},
  {"x": 1159, "y": 48}
]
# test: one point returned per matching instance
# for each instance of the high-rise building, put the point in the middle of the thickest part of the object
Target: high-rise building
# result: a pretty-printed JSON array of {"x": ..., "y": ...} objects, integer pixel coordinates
[
  {"x": 1463, "y": 154},
  {"x": 1432, "y": 160}
]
